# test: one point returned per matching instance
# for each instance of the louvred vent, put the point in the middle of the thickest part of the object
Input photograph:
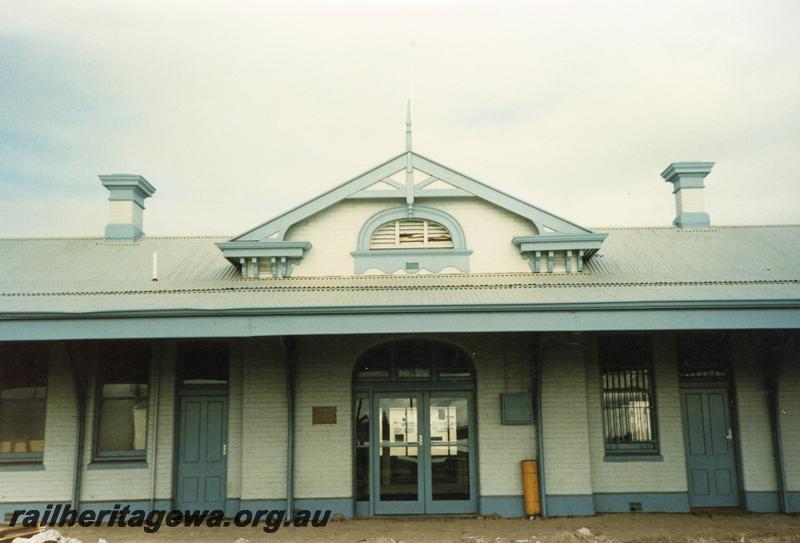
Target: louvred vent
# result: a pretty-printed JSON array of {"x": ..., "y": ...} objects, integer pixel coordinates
[{"x": 410, "y": 233}]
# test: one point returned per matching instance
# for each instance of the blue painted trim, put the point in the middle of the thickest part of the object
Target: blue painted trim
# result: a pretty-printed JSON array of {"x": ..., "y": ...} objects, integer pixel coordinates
[
  {"x": 539, "y": 217},
  {"x": 762, "y": 502},
  {"x": 420, "y": 212},
  {"x": 123, "y": 232},
  {"x": 570, "y": 505},
  {"x": 391, "y": 260},
  {"x": 418, "y": 194},
  {"x": 652, "y": 502},
  {"x": 21, "y": 466},
  {"x": 342, "y": 506},
  {"x": 24, "y": 457},
  {"x": 505, "y": 506},
  {"x": 692, "y": 220},
  {"x": 10, "y": 507},
  {"x": 361, "y": 509},
  {"x": 632, "y": 457},
  {"x": 281, "y": 223},
  {"x": 101, "y": 465},
  {"x": 793, "y": 502},
  {"x": 560, "y": 242},
  {"x": 248, "y": 249},
  {"x": 134, "y": 504},
  {"x": 687, "y": 174},
  {"x": 232, "y": 506},
  {"x": 255, "y": 505},
  {"x": 127, "y": 187},
  {"x": 402, "y": 319}
]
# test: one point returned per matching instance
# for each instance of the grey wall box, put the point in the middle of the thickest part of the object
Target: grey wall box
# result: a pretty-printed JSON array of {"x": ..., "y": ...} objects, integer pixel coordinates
[{"x": 517, "y": 408}]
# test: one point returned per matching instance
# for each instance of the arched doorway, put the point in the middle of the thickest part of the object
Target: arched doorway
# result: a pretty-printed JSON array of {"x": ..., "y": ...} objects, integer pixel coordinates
[{"x": 414, "y": 430}]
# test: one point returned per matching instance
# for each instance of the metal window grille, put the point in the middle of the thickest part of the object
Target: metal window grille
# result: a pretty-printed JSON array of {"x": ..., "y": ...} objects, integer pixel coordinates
[
  {"x": 627, "y": 409},
  {"x": 628, "y": 395}
]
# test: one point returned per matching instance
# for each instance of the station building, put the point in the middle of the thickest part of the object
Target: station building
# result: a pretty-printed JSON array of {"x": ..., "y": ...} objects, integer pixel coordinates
[{"x": 398, "y": 345}]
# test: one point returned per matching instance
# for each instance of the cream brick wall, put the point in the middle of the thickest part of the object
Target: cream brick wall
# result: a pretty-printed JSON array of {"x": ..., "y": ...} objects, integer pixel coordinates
[
  {"x": 752, "y": 409},
  {"x": 666, "y": 476},
  {"x": 568, "y": 469},
  {"x": 263, "y": 421},
  {"x": 502, "y": 364},
  {"x": 165, "y": 448},
  {"x": 790, "y": 415},
  {"x": 334, "y": 231},
  {"x": 54, "y": 483},
  {"x": 323, "y": 452},
  {"x": 234, "y": 489}
]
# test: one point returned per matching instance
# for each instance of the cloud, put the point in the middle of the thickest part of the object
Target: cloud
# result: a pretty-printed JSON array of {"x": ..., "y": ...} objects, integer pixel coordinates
[{"x": 236, "y": 114}]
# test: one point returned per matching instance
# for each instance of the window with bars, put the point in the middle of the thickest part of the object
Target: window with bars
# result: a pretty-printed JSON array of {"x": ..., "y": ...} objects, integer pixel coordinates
[
  {"x": 411, "y": 233},
  {"x": 628, "y": 394}
]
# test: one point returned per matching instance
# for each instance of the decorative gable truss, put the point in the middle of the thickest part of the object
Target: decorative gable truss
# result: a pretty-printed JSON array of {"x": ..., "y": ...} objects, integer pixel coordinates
[{"x": 559, "y": 246}]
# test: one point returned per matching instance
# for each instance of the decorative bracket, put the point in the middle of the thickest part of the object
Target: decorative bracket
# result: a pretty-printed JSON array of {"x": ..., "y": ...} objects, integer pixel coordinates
[
  {"x": 557, "y": 251},
  {"x": 277, "y": 256}
]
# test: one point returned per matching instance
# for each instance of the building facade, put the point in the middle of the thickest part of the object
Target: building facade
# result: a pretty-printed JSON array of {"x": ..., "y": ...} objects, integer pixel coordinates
[{"x": 398, "y": 345}]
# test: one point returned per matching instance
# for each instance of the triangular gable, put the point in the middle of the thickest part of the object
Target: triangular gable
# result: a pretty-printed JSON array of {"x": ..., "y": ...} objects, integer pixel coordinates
[
  {"x": 364, "y": 185},
  {"x": 385, "y": 174}
]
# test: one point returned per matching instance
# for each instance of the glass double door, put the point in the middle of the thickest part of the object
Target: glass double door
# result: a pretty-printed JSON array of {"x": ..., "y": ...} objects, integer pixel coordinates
[{"x": 423, "y": 455}]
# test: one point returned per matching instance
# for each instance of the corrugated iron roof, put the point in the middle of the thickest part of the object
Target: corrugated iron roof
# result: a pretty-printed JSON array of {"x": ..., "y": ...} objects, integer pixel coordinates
[{"x": 82, "y": 275}]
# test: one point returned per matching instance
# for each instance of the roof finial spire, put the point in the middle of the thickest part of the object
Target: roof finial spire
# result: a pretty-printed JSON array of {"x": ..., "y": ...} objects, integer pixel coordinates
[
  {"x": 410, "y": 94},
  {"x": 408, "y": 126}
]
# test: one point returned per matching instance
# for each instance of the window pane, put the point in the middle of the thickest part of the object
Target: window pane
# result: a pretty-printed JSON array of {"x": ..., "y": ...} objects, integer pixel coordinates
[
  {"x": 362, "y": 421},
  {"x": 203, "y": 363},
  {"x": 702, "y": 356},
  {"x": 123, "y": 424},
  {"x": 123, "y": 376},
  {"x": 362, "y": 428},
  {"x": 22, "y": 425},
  {"x": 23, "y": 392}
]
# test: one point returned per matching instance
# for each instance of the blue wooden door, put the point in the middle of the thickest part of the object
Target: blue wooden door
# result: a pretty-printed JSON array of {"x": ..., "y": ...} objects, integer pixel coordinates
[
  {"x": 202, "y": 452},
  {"x": 710, "y": 452}
]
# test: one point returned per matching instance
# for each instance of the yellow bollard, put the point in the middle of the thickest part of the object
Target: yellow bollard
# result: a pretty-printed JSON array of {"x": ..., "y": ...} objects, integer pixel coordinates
[{"x": 530, "y": 488}]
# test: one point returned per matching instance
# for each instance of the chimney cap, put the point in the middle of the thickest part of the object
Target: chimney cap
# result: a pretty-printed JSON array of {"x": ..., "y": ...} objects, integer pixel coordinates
[
  {"x": 125, "y": 186},
  {"x": 687, "y": 174}
]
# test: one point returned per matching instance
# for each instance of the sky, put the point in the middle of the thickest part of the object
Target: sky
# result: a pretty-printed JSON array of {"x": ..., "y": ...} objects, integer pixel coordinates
[{"x": 237, "y": 111}]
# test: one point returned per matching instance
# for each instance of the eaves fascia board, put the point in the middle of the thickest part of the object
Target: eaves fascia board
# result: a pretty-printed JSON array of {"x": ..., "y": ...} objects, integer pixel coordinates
[{"x": 632, "y": 306}]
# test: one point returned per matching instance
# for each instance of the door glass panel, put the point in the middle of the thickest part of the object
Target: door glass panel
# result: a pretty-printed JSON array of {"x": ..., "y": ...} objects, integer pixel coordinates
[
  {"x": 449, "y": 435},
  {"x": 399, "y": 449},
  {"x": 362, "y": 448}
]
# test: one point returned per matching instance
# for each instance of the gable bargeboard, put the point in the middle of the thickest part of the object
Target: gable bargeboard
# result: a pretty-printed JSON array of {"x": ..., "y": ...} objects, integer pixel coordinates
[{"x": 321, "y": 237}]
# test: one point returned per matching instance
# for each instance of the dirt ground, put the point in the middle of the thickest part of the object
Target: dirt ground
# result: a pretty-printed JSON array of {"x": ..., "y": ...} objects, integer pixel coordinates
[{"x": 646, "y": 528}]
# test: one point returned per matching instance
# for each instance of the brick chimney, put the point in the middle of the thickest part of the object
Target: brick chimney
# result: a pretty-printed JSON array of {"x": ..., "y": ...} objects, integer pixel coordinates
[
  {"x": 126, "y": 205},
  {"x": 687, "y": 182}
]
